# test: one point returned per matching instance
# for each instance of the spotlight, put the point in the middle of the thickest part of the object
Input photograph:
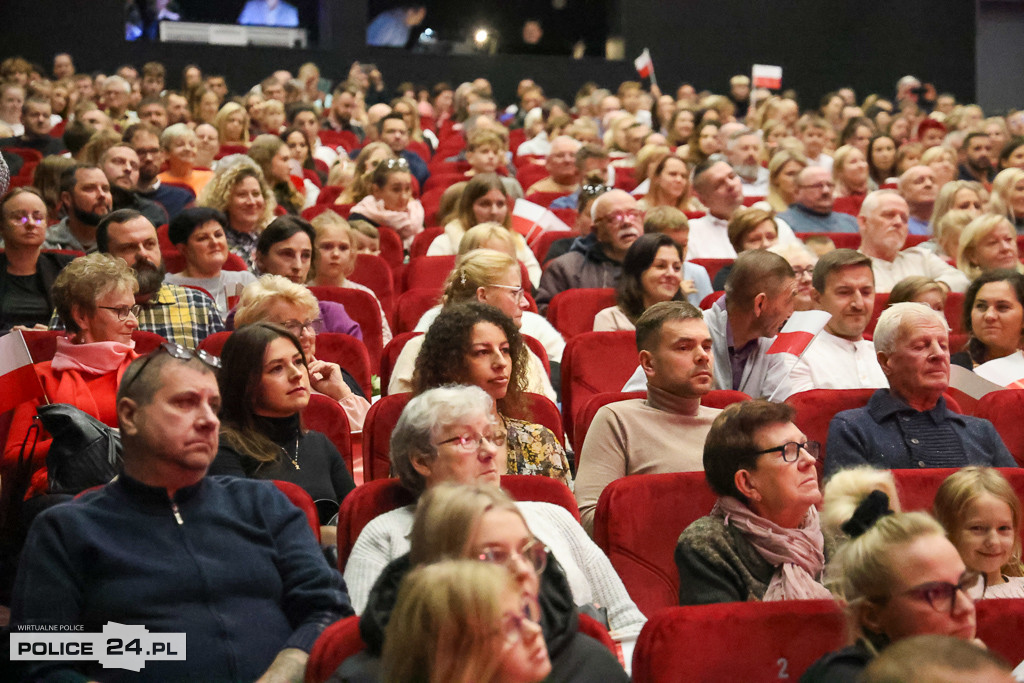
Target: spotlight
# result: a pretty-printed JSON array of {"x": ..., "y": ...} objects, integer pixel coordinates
[{"x": 481, "y": 36}]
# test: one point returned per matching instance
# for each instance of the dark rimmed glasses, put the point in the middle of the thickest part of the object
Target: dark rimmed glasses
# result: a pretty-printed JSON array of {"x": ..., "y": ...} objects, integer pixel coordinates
[
  {"x": 941, "y": 595},
  {"x": 123, "y": 311},
  {"x": 790, "y": 451}
]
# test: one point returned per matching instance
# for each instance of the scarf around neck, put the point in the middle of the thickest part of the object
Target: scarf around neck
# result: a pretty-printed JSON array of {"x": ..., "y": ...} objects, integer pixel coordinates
[
  {"x": 797, "y": 554},
  {"x": 95, "y": 358}
]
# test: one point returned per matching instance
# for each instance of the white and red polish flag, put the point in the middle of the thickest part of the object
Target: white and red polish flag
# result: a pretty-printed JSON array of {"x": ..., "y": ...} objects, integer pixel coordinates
[
  {"x": 644, "y": 64},
  {"x": 18, "y": 379},
  {"x": 799, "y": 331},
  {"x": 530, "y": 220},
  {"x": 767, "y": 76}
]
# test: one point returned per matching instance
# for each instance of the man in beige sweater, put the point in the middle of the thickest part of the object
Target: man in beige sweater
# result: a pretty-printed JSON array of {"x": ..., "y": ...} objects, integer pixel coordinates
[{"x": 664, "y": 432}]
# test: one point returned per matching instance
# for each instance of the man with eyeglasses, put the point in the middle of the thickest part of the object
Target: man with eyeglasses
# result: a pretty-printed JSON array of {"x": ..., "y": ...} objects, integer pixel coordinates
[
  {"x": 179, "y": 314},
  {"x": 617, "y": 224},
  {"x": 145, "y": 140},
  {"x": 229, "y": 562},
  {"x": 908, "y": 425},
  {"x": 811, "y": 210},
  {"x": 883, "y": 222}
]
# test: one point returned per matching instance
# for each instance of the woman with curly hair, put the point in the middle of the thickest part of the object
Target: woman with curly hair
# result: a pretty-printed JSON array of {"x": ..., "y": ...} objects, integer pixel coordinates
[
  {"x": 239, "y": 190},
  {"x": 476, "y": 344}
]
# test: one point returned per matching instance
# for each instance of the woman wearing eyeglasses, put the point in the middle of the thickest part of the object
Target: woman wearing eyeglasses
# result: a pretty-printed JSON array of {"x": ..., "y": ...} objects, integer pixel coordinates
[
  {"x": 264, "y": 386},
  {"x": 494, "y": 278},
  {"x": 390, "y": 202},
  {"x": 277, "y": 300},
  {"x": 481, "y": 523},
  {"x": 26, "y": 273},
  {"x": 491, "y": 630},
  {"x": 897, "y": 576},
  {"x": 762, "y": 540},
  {"x": 95, "y": 299}
]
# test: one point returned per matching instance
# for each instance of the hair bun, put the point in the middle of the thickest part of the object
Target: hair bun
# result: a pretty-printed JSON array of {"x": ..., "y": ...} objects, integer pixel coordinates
[{"x": 870, "y": 510}]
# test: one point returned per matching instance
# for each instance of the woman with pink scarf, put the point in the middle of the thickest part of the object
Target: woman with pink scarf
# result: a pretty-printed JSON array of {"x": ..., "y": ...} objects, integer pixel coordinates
[
  {"x": 95, "y": 298},
  {"x": 762, "y": 540},
  {"x": 390, "y": 202}
]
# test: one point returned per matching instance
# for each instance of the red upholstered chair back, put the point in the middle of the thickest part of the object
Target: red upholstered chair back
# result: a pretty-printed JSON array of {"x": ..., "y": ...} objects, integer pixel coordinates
[
  {"x": 235, "y": 263},
  {"x": 712, "y": 265},
  {"x": 917, "y": 488},
  {"x": 1000, "y": 623},
  {"x": 572, "y": 312},
  {"x": 541, "y": 245},
  {"x": 374, "y": 272},
  {"x": 412, "y": 304},
  {"x": 842, "y": 240},
  {"x": 538, "y": 350},
  {"x": 146, "y": 341},
  {"x": 637, "y": 523},
  {"x": 1004, "y": 410},
  {"x": 383, "y": 495},
  {"x": 816, "y": 408},
  {"x": 302, "y": 500},
  {"x": 709, "y": 301},
  {"x": 881, "y": 301},
  {"x": 443, "y": 180},
  {"x": 849, "y": 205},
  {"x": 544, "y": 198},
  {"x": 738, "y": 641},
  {"x": 42, "y": 344},
  {"x": 914, "y": 240},
  {"x": 516, "y": 137},
  {"x": 349, "y": 353},
  {"x": 338, "y": 642},
  {"x": 377, "y": 427},
  {"x": 391, "y": 249},
  {"x": 329, "y": 194},
  {"x": 422, "y": 241},
  {"x": 431, "y": 201},
  {"x": 594, "y": 362},
  {"x": 342, "y": 138},
  {"x": 954, "y": 313},
  {"x": 530, "y": 174},
  {"x": 214, "y": 344},
  {"x": 390, "y": 355},
  {"x": 362, "y": 308},
  {"x": 428, "y": 272},
  {"x": 323, "y": 414}
]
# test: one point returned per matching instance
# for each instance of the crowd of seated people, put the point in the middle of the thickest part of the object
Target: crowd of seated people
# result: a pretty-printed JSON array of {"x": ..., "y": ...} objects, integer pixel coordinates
[{"x": 502, "y": 250}]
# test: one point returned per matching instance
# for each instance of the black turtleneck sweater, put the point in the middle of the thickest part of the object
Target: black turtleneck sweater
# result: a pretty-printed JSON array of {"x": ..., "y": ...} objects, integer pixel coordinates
[{"x": 321, "y": 469}]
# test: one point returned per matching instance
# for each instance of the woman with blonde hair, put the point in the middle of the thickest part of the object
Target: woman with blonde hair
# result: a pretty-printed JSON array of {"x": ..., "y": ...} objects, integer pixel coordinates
[
  {"x": 988, "y": 243},
  {"x": 850, "y": 172},
  {"x": 484, "y": 200},
  {"x": 239, "y": 190},
  {"x": 369, "y": 158},
  {"x": 669, "y": 178},
  {"x": 783, "y": 169},
  {"x": 232, "y": 123},
  {"x": 942, "y": 160},
  {"x": 490, "y": 277},
  {"x": 335, "y": 251},
  {"x": 844, "y": 491},
  {"x": 180, "y": 144},
  {"x": 919, "y": 289},
  {"x": 982, "y": 516},
  {"x": 411, "y": 114},
  {"x": 897, "y": 576},
  {"x": 1008, "y": 196},
  {"x": 463, "y": 621}
]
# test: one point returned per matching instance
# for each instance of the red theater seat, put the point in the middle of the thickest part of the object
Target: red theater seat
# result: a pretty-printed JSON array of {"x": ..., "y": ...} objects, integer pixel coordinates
[
  {"x": 917, "y": 488},
  {"x": 323, "y": 414},
  {"x": 541, "y": 245},
  {"x": 737, "y": 641},
  {"x": 572, "y": 312},
  {"x": 594, "y": 362},
  {"x": 338, "y": 642},
  {"x": 1004, "y": 409},
  {"x": 363, "y": 309}
]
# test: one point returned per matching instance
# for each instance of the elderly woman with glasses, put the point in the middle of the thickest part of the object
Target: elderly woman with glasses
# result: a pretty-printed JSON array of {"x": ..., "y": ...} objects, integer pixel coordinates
[
  {"x": 449, "y": 435},
  {"x": 95, "y": 300},
  {"x": 26, "y": 273},
  {"x": 482, "y": 523},
  {"x": 762, "y": 540}
]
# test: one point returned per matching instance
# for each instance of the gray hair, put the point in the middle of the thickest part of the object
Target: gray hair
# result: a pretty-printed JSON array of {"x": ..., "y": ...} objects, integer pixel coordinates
[
  {"x": 173, "y": 132},
  {"x": 874, "y": 198},
  {"x": 423, "y": 417},
  {"x": 122, "y": 85},
  {"x": 741, "y": 133},
  {"x": 890, "y": 324}
]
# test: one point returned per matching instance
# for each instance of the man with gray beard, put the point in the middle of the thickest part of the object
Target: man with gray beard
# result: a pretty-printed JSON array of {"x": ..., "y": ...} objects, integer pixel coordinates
[
  {"x": 179, "y": 314},
  {"x": 85, "y": 198},
  {"x": 744, "y": 149}
]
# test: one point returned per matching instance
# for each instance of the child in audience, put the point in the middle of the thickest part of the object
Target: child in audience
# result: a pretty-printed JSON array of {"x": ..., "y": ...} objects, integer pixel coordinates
[
  {"x": 982, "y": 514},
  {"x": 485, "y": 152},
  {"x": 390, "y": 202}
]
